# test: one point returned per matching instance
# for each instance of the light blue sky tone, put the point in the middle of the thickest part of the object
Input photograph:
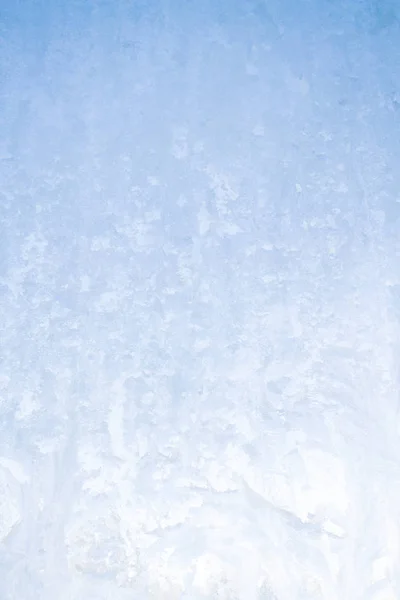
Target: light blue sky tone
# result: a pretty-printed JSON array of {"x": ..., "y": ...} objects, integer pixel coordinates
[{"x": 199, "y": 300}]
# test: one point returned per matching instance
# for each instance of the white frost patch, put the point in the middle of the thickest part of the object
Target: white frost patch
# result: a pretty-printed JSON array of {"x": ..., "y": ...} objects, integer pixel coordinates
[
  {"x": 204, "y": 220},
  {"x": 16, "y": 469},
  {"x": 325, "y": 485},
  {"x": 246, "y": 362},
  {"x": 27, "y": 406},
  {"x": 10, "y": 511},
  {"x": 259, "y": 130}
]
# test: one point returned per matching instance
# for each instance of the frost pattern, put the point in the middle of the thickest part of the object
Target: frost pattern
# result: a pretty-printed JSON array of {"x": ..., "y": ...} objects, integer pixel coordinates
[{"x": 199, "y": 275}]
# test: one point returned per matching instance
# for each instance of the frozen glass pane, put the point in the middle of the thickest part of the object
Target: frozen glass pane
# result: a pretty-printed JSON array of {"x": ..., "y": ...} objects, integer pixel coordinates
[{"x": 199, "y": 300}]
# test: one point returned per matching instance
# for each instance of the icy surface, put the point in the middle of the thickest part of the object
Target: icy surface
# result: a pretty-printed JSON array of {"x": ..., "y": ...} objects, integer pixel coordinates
[{"x": 200, "y": 300}]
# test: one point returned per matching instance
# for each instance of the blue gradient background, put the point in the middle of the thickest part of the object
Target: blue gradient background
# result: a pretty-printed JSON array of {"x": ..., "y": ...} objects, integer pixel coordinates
[{"x": 199, "y": 300}]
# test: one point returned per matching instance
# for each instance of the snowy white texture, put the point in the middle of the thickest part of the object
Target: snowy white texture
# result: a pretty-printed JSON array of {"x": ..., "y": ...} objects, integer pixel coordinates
[{"x": 200, "y": 300}]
